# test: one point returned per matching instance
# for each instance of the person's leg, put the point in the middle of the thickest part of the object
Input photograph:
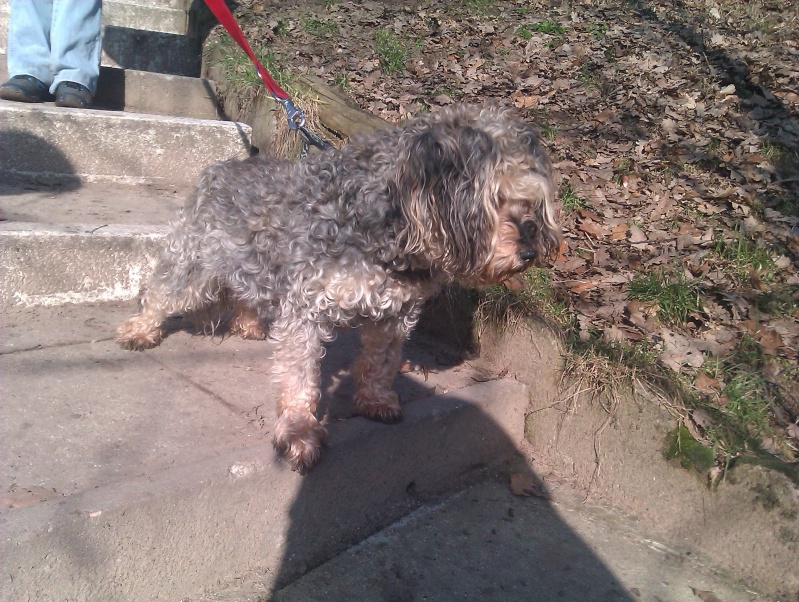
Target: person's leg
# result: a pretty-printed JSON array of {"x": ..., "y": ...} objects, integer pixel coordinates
[
  {"x": 28, "y": 51},
  {"x": 75, "y": 43}
]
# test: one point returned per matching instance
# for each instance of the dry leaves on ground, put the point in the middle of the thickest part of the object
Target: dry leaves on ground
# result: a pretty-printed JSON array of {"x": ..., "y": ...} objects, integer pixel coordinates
[{"x": 673, "y": 126}]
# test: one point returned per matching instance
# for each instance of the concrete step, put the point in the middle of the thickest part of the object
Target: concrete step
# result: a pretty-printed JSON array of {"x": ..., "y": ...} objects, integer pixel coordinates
[
  {"x": 150, "y": 476},
  {"x": 148, "y": 92},
  {"x": 90, "y": 145},
  {"x": 156, "y": 93},
  {"x": 154, "y": 51},
  {"x": 80, "y": 243},
  {"x": 166, "y": 16},
  {"x": 485, "y": 543}
]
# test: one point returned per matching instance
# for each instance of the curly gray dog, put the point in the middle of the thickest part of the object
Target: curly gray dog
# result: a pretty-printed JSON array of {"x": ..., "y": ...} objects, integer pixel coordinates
[{"x": 360, "y": 236}]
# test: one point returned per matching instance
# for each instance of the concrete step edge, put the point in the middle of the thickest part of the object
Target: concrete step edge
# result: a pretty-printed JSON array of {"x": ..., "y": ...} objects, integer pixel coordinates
[{"x": 56, "y": 264}]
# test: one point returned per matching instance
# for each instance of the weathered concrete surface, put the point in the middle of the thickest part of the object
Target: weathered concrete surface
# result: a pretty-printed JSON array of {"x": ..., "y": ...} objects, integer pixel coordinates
[
  {"x": 132, "y": 476},
  {"x": 487, "y": 544},
  {"x": 97, "y": 203},
  {"x": 80, "y": 243},
  {"x": 89, "y": 145},
  {"x": 615, "y": 451},
  {"x": 75, "y": 263},
  {"x": 156, "y": 93}
]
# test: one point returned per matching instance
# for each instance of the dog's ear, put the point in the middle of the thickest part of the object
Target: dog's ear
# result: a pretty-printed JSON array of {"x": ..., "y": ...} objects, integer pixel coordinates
[{"x": 447, "y": 196}]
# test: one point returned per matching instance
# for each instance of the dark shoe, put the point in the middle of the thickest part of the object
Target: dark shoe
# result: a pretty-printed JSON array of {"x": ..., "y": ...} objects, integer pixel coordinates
[
  {"x": 71, "y": 94},
  {"x": 25, "y": 88}
]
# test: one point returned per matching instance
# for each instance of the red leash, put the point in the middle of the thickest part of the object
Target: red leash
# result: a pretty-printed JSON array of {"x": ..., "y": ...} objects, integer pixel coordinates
[{"x": 228, "y": 21}]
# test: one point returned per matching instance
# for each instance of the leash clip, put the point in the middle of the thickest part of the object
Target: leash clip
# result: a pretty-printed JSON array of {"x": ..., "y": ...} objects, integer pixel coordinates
[{"x": 294, "y": 114}]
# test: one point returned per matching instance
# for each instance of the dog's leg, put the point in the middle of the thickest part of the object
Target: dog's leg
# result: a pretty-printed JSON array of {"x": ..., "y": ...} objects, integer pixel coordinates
[
  {"x": 179, "y": 285},
  {"x": 298, "y": 433},
  {"x": 376, "y": 367},
  {"x": 244, "y": 321}
]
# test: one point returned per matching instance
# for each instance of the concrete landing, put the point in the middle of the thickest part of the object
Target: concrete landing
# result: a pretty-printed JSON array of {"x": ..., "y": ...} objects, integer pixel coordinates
[{"x": 138, "y": 476}]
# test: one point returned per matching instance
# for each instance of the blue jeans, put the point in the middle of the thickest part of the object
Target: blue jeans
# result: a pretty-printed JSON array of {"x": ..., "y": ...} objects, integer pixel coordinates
[{"x": 55, "y": 41}]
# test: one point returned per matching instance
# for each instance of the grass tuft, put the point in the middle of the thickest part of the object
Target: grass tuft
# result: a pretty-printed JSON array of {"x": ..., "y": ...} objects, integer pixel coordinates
[
  {"x": 392, "y": 51},
  {"x": 676, "y": 295}
]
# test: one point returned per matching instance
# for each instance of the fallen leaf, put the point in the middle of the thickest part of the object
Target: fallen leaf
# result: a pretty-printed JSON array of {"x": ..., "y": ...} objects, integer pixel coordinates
[
  {"x": 680, "y": 350},
  {"x": 705, "y": 596},
  {"x": 770, "y": 341},
  {"x": 701, "y": 418},
  {"x": 590, "y": 227},
  {"x": 707, "y": 384}
]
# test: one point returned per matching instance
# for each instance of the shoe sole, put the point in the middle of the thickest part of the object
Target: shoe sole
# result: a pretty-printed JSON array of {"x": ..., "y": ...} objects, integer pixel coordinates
[
  {"x": 70, "y": 104},
  {"x": 19, "y": 96}
]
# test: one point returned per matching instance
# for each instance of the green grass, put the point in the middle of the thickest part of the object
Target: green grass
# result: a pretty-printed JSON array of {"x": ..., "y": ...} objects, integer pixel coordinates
[
  {"x": 623, "y": 168},
  {"x": 281, "y": 30},
  {"x": 741, "y": 418},
  {"x": 523, "y": 33},
  {"x": 392, "y": 51},
  {"x": 571, "y": 202},
  {"x": 481, "y": 7},
  {"x": 547, "y": 26},
  {"x": 319, "y": 28},
  {"x": 588, "y": 74},
  {"x": 597, "y": 30},
  {"x": 549, "y": 130},
  {"x": 342, "y": 80},
  {"x": 741, "y": 255},
  {"x": 676, "y": 295},
  {"x": 240, "y": 73},
  {"x": 779, "y": 301}
]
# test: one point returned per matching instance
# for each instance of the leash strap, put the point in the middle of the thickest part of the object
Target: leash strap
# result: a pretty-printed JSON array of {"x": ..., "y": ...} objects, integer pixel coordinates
[
  {"x": 310, "y": 137},
  {"x": 296, "y": 117}
]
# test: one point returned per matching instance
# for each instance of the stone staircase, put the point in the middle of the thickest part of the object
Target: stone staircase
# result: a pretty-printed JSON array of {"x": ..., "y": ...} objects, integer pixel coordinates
[{"x": 151, "y": 476}]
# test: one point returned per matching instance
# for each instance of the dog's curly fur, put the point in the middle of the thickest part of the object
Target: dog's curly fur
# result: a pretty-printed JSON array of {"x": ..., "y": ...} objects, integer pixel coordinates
[{"x": 360, "y": 236}]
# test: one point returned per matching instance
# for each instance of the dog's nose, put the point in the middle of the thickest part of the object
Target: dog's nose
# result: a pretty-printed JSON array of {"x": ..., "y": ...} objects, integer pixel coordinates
[{"x": 527, "y": 254}]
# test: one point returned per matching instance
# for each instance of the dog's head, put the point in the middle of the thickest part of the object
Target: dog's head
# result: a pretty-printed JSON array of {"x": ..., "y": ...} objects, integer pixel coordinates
[{"x": 476, "y": 189}]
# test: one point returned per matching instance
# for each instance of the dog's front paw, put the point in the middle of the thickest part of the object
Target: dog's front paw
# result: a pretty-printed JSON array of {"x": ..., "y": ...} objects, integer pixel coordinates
[
  {"x": 381, "y": 406},
  {"x": 299, "y": 440},
  {"x": 137, "y": 336}
]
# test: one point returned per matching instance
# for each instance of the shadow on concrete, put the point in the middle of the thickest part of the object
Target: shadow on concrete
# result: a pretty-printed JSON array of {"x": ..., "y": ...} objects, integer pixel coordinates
[
  {"x": 111, "y": 89},
  {"x": 504, "y": 548},
  {"x": 153, "y": 51},
  {"x": 509, "y": 549},
  {"x": 27, "y": 160}
]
